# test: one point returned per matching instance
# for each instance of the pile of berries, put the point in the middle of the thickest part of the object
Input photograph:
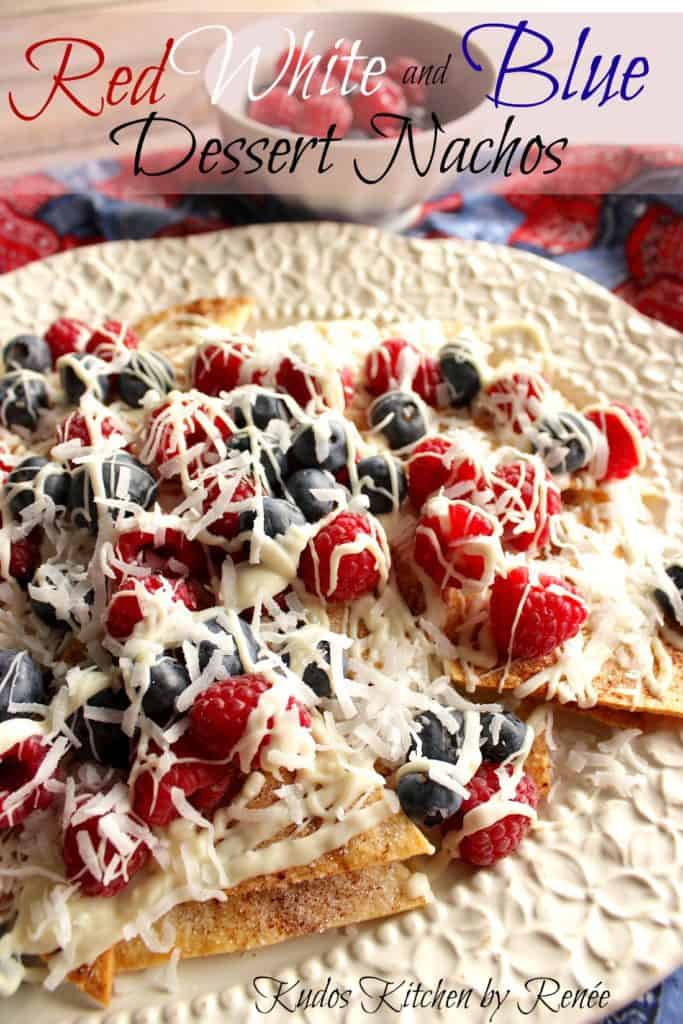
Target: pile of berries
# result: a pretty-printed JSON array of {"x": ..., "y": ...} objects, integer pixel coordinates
[
  {"x": 105, "y": 362},
  {"x": 605, "y": 441},
  {"x": 433, "y": 805},
  {"x": 259, "y": 458},
  {"x": 314, "y": 93}
]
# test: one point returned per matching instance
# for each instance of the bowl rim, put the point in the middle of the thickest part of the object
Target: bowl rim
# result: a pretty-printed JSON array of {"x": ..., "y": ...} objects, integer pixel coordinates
[{"x": 348, "y": 143}]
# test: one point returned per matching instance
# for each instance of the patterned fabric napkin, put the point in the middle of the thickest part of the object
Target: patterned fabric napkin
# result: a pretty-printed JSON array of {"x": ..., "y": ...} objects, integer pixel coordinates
[{"x": 627, "y": 235}]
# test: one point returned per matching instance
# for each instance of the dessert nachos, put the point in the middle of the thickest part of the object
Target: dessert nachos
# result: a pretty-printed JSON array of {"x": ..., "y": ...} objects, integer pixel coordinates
[{"x": 260, "y": 596}]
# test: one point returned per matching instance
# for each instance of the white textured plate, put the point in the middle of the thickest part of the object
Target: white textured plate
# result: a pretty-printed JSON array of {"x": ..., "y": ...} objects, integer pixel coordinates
[{"x": 595, "y": 894}]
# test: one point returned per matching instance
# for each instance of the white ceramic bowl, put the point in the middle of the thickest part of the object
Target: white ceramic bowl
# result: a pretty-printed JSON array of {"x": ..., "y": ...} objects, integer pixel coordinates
[{"x": 339, "y": 193}]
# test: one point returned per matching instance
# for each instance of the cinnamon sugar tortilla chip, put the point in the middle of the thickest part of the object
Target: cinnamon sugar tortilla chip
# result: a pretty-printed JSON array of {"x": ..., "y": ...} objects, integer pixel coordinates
[
  {"x": 229, "y": 313},
  {"x": 264, "y": 917},
  {"x": 394, "y": 839},
  {"x": 632, "y": 719},
  {"x": 615, "y": 689},
  {"x": 96, "y": 979},
  {"x": 538, "y": 764},
  {"x": 264, "y": 909}
]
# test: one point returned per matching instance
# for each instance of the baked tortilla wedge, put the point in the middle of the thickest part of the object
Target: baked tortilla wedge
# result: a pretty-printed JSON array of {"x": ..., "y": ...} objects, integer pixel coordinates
[
  {"x": 96, "y": 979},
  {"x": 361, "y": 880},
  {"x": 261, "y": 918},
  {"x": 615, "y": 696},
  {"x": 615, "y": 690},
  {"x": 229, "y": 313}
]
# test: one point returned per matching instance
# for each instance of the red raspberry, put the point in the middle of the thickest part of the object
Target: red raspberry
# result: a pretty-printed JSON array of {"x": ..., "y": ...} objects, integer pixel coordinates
[
  {"x": 342, "y": 61},
  {"x": 204, "y": 783},
  {"x": 398, "y": 364},
  {"x": 227, "y": 524},
  {"x": 288, "y": 64},
  {"x": 427, "y": 381},
  {"x": 353, "y": 574},
  {"x": 216, "y": 365},
  {"x": 183, "y": 423},
  {"x": 18, "y": 766},
  {"x": 276, "y": 108},
  {"x": 637, "y": 416},
  {"x": 427, "y": 469},
  {"x": 175, "y": 555},
  {"x": 348, "y": 384},
  {"x": 75, "y": 427},
  {"x": 111, "y": 339},
  {"x": 6, "y": 464},
  {"x": 622, "y": 428},
  {"x": 525, "y": 500},
  {"x": 314, "y": 86},
  {"x": 219, "y": 716},
  {"x": 530, "y": 617},
  {"x": 491, "y": 844},
  {"x": 447, "y": 544},
  {"x": 304, "y": 386},
  {"x": 515, "y": 402},
  {"x": 295, "y": 382},
  {"x": 104, "y": 871},
  {"x": 435, "y": 462},
  {"x": 387, "y": 99},
  {"x": 218, "y": 793},
  {"x": 317, "y": 114},
  {"x": 66, "y": 335},
  {"x": 24, "y": 556},
  {"x": 125, "y": 609},
  {"x": 415, "y": 92}
]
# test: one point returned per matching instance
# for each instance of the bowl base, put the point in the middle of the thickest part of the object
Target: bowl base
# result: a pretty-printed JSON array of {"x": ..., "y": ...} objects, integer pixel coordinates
[{"x": 398, "y": 220}]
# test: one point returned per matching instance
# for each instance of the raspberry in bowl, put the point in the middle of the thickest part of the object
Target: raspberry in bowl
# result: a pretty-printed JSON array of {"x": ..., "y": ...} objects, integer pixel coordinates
[
  {"x": 335, "y": 179},
  {"x": 314, "y": 96}
]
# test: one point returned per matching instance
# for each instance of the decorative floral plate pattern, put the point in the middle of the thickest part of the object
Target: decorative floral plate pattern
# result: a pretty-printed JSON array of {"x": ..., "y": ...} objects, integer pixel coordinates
[{"x": 594, "y": 898}]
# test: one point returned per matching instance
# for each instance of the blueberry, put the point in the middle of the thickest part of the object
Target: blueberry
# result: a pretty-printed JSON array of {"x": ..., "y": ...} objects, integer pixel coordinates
[
  {"x": 22, "y": 681},
  {"x": 426, "y": 802},
  {"x": 300, "y": 486},
  {"x": 501, "y": 735},
  {"x": 317, "y": 673},
  {"x": 233, "y": 662},
  {"x": 320, "y": 445},
  {"x": 27, "y": 352},
  {"x": 436, "y": 742},
  {"x": 104, "y": 742},
  {"x": 112, "y": 475},
  {"x": 398, "y": 416},
  {"x": 168, "y": 677},
  {"x": 675, "y": 574},
  {"x": 278, "y": 516},
  {"x": 23, "y": 396},
  {"x": 145, "y": 371},
  {"x": 460, "y": 373},
  {"x": 271, "y": 461},
  {"x": 565, "y": 441},
  {"x": 259, "y": 410},
  {"x": 80, "y": 372},
  {"x": 51, "y": 579},
  {"x": 382, "y": 480},
  {"x": 47, "y": 613},
  {"x": 35, "y": 478}
]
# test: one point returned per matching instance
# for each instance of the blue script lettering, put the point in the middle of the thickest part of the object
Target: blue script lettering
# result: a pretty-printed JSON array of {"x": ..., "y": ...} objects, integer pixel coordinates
[{"x": 600, "y": 78}]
